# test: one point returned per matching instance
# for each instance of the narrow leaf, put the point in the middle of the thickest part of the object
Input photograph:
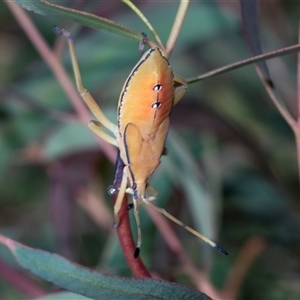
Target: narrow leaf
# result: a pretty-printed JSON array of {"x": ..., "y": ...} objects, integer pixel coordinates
[
  {"x": 251, "y": 32},
  {"x": 82, "y": 281},
  {"x": 46, "y": 8},
  {"x": 250, "y": 25}
]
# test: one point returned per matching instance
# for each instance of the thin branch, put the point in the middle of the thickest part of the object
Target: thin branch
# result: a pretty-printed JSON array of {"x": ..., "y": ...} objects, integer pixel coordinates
[
  {"x": 245, "y": 62},
  {"x": 182, "y": 10}
]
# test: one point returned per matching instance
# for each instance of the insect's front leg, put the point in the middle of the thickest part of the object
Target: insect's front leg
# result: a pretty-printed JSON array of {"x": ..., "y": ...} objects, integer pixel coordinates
[{"x": 84, "y": 93}]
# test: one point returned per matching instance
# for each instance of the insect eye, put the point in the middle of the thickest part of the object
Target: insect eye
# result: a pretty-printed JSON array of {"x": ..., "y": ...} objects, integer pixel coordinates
[
  {"x": 157, "y": 87},
  {"x": 156, "y": 105}
]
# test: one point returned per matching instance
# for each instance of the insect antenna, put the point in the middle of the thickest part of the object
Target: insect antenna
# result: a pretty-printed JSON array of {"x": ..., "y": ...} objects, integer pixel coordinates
[{"x": 180, "y": 223}]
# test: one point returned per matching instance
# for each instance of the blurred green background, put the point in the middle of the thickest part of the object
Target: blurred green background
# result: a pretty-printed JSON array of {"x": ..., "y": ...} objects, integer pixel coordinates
[{"x": 231, "y": 171}]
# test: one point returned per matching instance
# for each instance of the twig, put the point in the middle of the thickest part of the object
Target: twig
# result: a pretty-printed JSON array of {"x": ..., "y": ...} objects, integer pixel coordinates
[
  {"x": 248, "y": 61},
  {"x": 183, "y": 6}
]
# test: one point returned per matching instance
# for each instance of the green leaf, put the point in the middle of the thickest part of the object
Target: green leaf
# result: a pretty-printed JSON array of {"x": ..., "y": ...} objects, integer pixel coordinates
[
  {"x": 50, "y": 9},
  {"x": 83, "y": 281}
]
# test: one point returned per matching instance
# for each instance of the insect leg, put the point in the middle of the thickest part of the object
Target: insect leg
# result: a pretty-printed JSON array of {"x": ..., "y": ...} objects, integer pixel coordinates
[
  {"x": 117, "y": 207},
  {"x": 84, "y": 93},
  {"x": 96, "y": 128},
  {"x": 118, "y": 203},
  {"x": 191, "y": 230},
  {"x": 151, "y": 193},
  {"x": 138, "y": 224},
  {"x": 180, "y": 88}
]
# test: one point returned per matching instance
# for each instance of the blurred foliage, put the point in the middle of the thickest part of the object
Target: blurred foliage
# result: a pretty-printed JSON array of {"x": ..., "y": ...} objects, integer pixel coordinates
[{"x": 231, "y": 171}]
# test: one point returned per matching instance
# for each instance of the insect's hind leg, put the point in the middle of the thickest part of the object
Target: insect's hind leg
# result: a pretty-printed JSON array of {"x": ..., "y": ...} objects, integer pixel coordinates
[
  {"x": 84, "y": 93},
  {"x": 180, "y": 223}
]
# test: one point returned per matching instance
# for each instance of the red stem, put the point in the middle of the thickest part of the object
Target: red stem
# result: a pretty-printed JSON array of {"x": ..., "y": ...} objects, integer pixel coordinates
[{"x": 127, "y": 243}]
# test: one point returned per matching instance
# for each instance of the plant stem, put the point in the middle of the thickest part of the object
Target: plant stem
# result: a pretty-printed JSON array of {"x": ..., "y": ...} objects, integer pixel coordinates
[
  {"x": 124, "y": 231},
  {"x": 248, "y": 61},
  {"x": 127, "y": 243},
  {"x": 183, "y": 6}
]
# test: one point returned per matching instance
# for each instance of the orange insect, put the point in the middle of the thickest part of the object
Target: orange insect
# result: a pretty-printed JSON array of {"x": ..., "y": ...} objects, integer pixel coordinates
[{"x": 146, "y": 101}]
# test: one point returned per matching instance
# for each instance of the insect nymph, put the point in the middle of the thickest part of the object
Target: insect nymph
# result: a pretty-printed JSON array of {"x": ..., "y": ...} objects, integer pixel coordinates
[{"x": 146, "y": 101}]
